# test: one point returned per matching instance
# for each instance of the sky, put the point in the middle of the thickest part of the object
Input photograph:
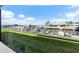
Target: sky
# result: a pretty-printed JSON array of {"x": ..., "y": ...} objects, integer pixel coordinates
[{"x": 38, "y": 14}]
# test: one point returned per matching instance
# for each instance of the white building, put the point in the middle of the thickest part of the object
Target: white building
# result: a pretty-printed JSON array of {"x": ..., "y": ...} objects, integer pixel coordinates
[{"x": 62, "y": 28}]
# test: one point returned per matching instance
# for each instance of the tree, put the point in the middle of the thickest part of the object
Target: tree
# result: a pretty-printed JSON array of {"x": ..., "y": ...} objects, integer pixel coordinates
[
  {"x": 1, "y": 6},
  {"x": 77, "y": 29},
  {"x": 47, "y": 23},
  {"x": 69, "y": 23},
  {"x": 15, "y": 25},
  {"x": 30, "y": 26}
]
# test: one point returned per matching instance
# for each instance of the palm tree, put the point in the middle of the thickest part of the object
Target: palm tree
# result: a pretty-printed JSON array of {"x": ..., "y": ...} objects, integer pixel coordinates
[
  {"x": 67, "y": 25},
  {"x": 47, "y": 23},
  {"x": 77, "y": 30}
]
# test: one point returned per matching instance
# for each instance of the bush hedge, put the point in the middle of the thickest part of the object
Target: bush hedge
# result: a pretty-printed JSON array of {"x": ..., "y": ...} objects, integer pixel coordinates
[{"x": 25, "y": 43}]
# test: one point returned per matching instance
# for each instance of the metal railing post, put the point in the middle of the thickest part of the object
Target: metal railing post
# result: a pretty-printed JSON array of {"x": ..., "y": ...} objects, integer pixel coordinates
[
  {"x": 0, "y": 24},
  {"x": 0, "y": 21}
]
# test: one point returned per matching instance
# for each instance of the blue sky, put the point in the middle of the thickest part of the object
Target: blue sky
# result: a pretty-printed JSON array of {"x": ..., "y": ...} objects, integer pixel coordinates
[{"x": 38, "y": 14}]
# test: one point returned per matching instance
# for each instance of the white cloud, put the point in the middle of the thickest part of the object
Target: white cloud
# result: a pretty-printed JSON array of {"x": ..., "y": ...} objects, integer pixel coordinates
[
  {"x": 8, "y": 18},
  {"x": 73, "y": 15},
  {"x": 30, "y": 19},
  {"x": 58, "y": 20},
  {"x": 9, "y": 21},
  {"x": 7, "y": 14},
  {"x": 69, "y": 16},
  {"x": 74, "y": 6},
  {"x": 21, "y": 16}
]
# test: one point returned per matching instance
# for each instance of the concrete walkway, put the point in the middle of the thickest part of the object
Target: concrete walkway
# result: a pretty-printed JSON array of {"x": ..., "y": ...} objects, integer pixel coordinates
[{"x": 5, "y": 49}]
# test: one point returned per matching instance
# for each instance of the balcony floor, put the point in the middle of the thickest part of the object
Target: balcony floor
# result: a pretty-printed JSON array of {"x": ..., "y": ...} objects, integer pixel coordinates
[{"x": 5, "y": 49}]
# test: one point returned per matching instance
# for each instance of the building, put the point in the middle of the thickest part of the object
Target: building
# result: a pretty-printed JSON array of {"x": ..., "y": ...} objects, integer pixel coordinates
[{"x": 66, "y": 28}]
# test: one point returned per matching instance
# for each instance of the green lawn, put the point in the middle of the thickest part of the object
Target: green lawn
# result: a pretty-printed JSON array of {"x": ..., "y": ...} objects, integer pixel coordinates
[{"x": 31, "y": 42}]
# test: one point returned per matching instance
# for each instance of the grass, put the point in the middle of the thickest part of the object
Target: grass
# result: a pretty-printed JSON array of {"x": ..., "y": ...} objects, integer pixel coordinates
[
  {"x": 61, "y": 37},
  {"x": 34, "y": 43}
]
